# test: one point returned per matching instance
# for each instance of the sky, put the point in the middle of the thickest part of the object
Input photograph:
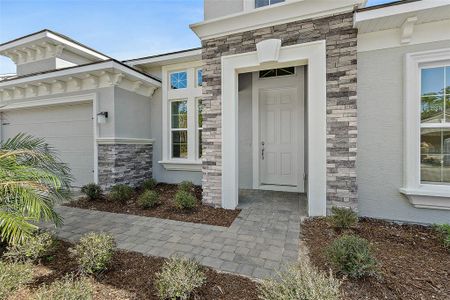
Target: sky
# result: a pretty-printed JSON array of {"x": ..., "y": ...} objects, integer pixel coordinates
[{"x": 121, "y": 29}]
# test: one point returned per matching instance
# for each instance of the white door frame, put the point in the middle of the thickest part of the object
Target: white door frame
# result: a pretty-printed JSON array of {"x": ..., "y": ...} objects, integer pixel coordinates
[
  {"x": 312, "y": 54},
  {"x": 91, "y": 97},
  {"x": 294, "y": 81}
]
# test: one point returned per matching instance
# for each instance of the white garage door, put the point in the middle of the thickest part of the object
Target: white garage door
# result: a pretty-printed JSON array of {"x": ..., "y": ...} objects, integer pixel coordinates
[{"x": 68, "y": 128}]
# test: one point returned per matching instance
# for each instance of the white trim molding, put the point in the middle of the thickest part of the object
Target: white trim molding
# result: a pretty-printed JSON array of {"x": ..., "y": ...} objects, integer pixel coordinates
[
  {"x": 314, "y": 55},
  {"x": 420, "y": 195},
  {"x": 190, "y": 166},
  {"x": 123, "y": 141}
]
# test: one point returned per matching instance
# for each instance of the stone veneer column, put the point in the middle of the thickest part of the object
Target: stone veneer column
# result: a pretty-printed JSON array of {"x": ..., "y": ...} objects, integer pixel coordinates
[
  {"x": 341, "y": 42},
  {"x": 128, "y": 164}
]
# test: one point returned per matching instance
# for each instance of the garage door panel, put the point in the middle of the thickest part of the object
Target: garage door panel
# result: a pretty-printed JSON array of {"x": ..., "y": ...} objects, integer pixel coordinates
[{"x": 67, "y": 128}]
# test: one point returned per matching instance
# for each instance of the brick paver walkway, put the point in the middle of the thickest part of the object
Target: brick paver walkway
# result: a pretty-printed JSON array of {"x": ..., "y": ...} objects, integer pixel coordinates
[{"x": 264, "y": 237}]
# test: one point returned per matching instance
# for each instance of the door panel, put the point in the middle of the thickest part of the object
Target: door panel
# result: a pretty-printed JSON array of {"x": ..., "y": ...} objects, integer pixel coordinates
[
  {"x": 67, "y": 128},
  {"x": 279, "y": 140}
]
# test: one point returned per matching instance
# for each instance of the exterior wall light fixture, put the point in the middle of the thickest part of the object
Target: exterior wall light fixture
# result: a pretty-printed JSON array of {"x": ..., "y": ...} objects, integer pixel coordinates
[{"x": 101, "y": 117}]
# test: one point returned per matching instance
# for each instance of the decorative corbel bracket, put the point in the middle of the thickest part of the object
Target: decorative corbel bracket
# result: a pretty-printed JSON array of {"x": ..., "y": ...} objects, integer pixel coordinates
[
  {"x": 407, "y": 30},
  {"x": 268, "y": 50}
]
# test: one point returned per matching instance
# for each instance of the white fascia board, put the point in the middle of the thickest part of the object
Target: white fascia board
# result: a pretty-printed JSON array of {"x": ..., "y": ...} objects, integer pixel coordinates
[
  {"x": 82, "y": 69},
  {"x": 170, "y": 58},
  {"x": 365, "y": 16},
  {"x": 46, "y": 35},
  {"x": 289, "y": 11}
]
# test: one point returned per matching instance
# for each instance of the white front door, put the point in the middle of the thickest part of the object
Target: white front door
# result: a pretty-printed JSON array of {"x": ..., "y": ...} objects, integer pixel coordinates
[{"x": 279, "y": 137}]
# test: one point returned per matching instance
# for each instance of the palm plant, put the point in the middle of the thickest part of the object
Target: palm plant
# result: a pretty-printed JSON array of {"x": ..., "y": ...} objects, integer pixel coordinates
[{"x": 32, "y": 180}]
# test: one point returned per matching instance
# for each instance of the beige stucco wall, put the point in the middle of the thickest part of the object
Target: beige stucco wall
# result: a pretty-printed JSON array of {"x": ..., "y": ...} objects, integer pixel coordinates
[{"x": 380, "y": 142}]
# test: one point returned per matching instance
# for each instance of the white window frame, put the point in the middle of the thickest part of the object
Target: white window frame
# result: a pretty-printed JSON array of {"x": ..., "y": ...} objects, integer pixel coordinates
[
  {"x": 270, "y": 3},
  {"x": 421, "y": 195},
  {"x": 189, "y": 94}
]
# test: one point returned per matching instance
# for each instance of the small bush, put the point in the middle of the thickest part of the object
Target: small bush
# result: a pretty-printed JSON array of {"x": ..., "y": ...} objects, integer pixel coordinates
[
  {"x": 444, "y": 232},
  {"x": 148, "y": 199},
  {"x": 92, "y": 191},
  {"x": 121, "y": 193},
  {"x": 186, "y": 186},
  {"x": 178, "y": 278},
  {"x": 94, "y": 252},
  {"x": 13, "y": 276},
  {"x": 32, "y": 249},
  {"x": 301, "y": 281},
  {"x": 343, "y": 218},
  {"x": 352, "y": 256},
  {"x": 149, "y": 184},
  {"x": 67, "y": 288},
  {"x": 185, "y": 200}
]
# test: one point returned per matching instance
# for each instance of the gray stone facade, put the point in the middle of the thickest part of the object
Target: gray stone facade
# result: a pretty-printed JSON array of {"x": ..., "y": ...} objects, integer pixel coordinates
[
  {"x": 128, "y": 164},
  {"x": 341, "y": 42}
]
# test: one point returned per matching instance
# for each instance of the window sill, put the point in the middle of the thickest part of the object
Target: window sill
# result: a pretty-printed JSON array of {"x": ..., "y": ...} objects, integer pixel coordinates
[
  {"x": 430, "y": 196},
  {"x": 190, "y": 166}
]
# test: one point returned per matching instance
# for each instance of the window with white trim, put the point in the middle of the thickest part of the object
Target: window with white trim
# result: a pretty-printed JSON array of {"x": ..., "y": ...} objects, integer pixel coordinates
[
  {"x": 179, "y": 129},
  {"x": 435, "y": 125},
  {"x": 199, "y": 127},
  {"x": 261, "y": 3},
  {"x": 182, "y": 89}
]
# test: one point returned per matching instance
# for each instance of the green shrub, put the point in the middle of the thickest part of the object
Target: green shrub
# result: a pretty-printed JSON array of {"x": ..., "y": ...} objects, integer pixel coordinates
[
  {"x": 121, "y": 193},
  {"x": 186, "y": 186},
  {"x": 92, "y": 191},
  {"x": 185, "y": 200},
  {"x": 178, "y": 278},
  {"x": 301, "y": 281},
  {"x": 343, "y": 218},
  {"x": 149, "y": 184},
  {"x": 13, "y": 276},
  {"x": 67, "y": 288},
  {"x": 148, "y": 199},
  {"x": 32, "y": 249},
  {"x": 94, "y": 251},
  {"x": 352, "y": 256},
  {"x": 444, "y": 232}
]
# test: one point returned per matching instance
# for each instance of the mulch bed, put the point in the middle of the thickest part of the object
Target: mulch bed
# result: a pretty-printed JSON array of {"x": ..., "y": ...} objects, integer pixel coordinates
[
  {"x": 166, "y": 209},
  {"x": 131, "y": 276},
  {"x": 413, "y": 263}
]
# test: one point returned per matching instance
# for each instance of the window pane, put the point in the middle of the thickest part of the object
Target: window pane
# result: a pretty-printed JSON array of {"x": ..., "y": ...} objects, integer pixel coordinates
[
  {"x": 261, "y": 3},
  {"x": 200, "y": 114},
  {"x": 199, "y": 77},
  {"x": 435, "y": 155},
  {"x": 276, "y": 1},
  {"x": 447, "y": 81},
  {"x": 178, "y": 80},
  {"x": 432, "y": 109},
  {"x": 432, "y": 81},
  {"x": 267, "y": 73},
  {"x": 285, "y": 71},
  {"x": 179, "y": 144},
  {"x": 179, "y": 114},
  {"x": 200, "y": 146}
]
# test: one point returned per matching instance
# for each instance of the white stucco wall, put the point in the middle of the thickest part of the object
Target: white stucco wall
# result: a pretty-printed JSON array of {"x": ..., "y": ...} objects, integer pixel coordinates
[
  {"x": 380, "y": 136},
  {"x": 219, "y": 8}
]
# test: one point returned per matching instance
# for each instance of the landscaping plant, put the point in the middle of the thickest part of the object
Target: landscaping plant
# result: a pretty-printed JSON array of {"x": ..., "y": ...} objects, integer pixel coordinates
[
  {"x": 300, "y": 281},
  {"x": 36, "y": 247},
  {"x": 67, "y": 288},
  {"x": 32, "y": 180},
  {"x": 149, "y": 184},
  {"x": 186, "y": 186},
  {"x": 92, "y": 191},
  {"x": 13, "y": 276},
  {"x": 185, "y": 200},
  {"x": 148, "y": 199},
  {"x": 352, "y": 256},
  {"x": 343, "y": 218},
  {"x": 121, "y": 193},
  {"x": 94, "y": 252},
  {"x": 178, "y": 278},
  {"x": 444, "y": 232}
]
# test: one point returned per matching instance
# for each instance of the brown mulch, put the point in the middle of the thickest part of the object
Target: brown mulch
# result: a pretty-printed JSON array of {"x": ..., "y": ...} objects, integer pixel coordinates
[
  {"x": 131, "y": 276},
  {"x": 166, "y": 209},
  {"x": 413, "y": 263}
]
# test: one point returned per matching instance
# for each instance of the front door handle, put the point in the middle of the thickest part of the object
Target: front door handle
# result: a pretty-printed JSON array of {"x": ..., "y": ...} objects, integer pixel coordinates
[{"x": 262, "y": 150}]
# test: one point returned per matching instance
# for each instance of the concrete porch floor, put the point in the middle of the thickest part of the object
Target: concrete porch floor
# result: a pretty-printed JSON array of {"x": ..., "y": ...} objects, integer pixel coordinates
[{"x": 263, "y": 238}]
